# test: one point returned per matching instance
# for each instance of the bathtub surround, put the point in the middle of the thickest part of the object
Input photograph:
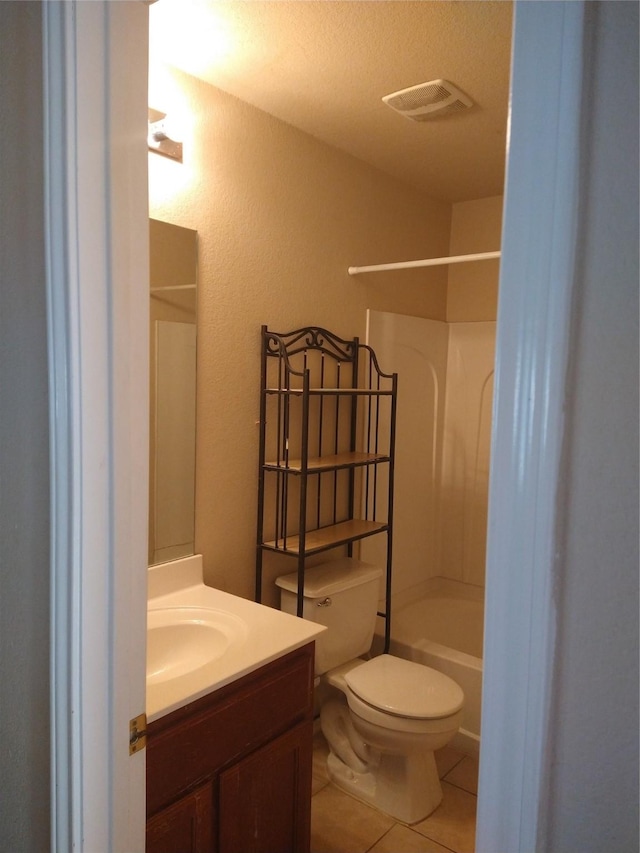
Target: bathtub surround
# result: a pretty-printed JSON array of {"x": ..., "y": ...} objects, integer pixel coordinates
[
  {"x": 455, "y": 616},
  {"x": 464, "y": 475},
  {"x": 418, "y": 350},
  {"x": 445, "y": 387}
]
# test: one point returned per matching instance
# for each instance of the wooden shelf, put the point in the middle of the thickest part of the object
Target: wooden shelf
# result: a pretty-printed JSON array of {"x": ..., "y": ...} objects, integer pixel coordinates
[
  {"x": 327, "y": 537},
  {"x": 350, "y": 392},
  {"x": 329, "y": 463}
]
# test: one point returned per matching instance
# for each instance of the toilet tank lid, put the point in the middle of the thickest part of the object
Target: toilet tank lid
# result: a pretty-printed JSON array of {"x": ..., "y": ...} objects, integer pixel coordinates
[
  {"x": 331, "y": 577},
  {"x": 405, "y": 688}
]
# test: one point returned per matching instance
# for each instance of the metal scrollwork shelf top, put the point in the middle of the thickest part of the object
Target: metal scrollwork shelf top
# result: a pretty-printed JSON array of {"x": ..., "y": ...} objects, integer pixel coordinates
[{"x": 310, "y": 338}]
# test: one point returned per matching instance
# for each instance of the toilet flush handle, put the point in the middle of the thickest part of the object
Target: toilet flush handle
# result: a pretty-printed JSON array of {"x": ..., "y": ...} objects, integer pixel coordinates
[{"x": 326, "y": 602}]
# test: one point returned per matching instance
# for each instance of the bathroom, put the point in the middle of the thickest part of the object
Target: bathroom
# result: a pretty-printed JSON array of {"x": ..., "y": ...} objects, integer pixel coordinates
[
  {"x": 240, "y": 166},
  {"x": 93, "y": 49}
]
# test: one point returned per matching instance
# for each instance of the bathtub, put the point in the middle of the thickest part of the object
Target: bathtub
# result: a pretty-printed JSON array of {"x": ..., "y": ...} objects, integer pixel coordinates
[{"x": 441, "y": 625}]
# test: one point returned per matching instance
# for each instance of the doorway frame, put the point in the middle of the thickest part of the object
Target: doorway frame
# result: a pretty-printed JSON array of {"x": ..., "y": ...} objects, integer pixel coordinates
[
  {"x": 95, "y": 66},
  {"x": 539, "y": 247},
  {"x": 93, "y": 54}
]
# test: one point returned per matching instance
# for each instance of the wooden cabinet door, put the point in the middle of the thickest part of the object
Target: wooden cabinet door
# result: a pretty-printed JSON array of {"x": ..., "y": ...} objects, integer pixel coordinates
[
  {"x": 185, "y": 826},
  {"x": 265, "y": 800}
]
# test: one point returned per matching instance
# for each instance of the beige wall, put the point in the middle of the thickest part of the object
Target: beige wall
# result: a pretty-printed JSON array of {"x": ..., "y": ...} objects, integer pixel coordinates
[
  {"x": 473, "y": 287},
  {"x": 280, "y": 217}
]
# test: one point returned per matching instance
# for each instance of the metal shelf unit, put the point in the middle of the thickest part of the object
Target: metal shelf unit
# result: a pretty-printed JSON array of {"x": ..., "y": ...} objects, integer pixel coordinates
[{"x": 327, "y": 440}]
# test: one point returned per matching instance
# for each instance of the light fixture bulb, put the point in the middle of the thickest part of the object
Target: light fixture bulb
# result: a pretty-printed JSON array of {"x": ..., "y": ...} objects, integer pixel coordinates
[{"x": 160, "y": 136}]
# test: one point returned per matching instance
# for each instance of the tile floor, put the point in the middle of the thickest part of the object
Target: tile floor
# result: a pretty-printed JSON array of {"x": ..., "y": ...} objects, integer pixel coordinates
[{"x": 342, "y": 824}]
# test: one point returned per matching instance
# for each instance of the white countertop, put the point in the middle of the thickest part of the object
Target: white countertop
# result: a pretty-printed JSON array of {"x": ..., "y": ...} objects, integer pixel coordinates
[{"x": 266, "y": 634}]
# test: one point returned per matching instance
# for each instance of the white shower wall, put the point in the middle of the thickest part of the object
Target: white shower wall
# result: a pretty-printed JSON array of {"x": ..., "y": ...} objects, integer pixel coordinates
[
  {"x": 445, "y": 387},
  {"x": 416, "y": 349},
  {"x": 464, "y": 478}
]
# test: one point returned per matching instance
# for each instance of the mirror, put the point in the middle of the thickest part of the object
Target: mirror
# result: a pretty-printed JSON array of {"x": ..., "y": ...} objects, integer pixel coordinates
[{"x": 172, "y": 386}]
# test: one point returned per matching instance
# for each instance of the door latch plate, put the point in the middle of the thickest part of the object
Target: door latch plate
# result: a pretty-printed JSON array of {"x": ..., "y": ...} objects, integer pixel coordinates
[{"x": 137, "y": 733}]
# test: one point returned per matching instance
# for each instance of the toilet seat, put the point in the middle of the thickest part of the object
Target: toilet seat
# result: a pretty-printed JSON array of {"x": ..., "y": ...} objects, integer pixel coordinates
[{"x": 406, "y": 689}]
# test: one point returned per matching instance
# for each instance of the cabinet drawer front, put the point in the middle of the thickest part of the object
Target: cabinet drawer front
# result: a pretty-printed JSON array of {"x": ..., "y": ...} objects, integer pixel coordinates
[{"x": 194, "y": 743}]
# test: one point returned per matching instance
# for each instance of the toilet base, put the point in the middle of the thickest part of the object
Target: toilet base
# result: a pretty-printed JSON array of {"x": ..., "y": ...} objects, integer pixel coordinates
[
  {"x": 360, "y": 785},
  {"x": 407, "y": 789}
]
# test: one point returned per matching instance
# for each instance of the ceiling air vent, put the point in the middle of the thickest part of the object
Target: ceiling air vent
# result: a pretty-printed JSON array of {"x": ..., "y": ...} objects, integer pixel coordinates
[{"x": 428, "y": 100}]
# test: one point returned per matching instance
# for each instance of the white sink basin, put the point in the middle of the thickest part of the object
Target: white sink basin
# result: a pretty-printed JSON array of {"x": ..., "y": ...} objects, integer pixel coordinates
[
  {"x": 200, "y": 638},
  {"x": 181, "y": 640}
]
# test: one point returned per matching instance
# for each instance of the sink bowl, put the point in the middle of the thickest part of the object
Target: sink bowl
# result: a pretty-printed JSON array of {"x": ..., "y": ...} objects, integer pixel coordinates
[
  {"x": 201, "y": 638},
  {"x": 181, "y": 640}
]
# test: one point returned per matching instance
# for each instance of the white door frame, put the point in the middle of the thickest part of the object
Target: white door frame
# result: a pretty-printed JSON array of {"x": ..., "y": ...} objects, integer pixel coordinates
[
  {"x": 95, "y": 69},
  {"x": 534, "y": 310}
]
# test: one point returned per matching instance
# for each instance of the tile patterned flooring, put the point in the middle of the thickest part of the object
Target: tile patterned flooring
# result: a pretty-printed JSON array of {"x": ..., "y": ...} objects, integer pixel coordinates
[{"x": 342, "y": 824}]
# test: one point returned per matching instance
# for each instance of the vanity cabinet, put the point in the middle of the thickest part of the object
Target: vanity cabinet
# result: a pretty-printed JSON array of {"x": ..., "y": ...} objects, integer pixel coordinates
[
  {"x": 231, "y": 771},
  {"x": 326, "y": 458}
]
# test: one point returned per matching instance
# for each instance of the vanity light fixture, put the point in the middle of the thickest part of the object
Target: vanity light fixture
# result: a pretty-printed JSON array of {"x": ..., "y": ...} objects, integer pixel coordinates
[{"x": 158, "y": 138}]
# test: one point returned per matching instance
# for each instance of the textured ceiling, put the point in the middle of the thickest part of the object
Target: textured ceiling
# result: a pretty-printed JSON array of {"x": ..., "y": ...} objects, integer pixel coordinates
[{"x": 324, "y": 65}]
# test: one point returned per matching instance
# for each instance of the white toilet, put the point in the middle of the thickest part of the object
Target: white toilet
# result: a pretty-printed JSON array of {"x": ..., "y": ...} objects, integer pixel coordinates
[{"x": 390, "y": 714}]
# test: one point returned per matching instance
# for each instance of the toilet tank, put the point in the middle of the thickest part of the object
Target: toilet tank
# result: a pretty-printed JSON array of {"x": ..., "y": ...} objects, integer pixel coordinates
[{"x": 343, "y": 595}]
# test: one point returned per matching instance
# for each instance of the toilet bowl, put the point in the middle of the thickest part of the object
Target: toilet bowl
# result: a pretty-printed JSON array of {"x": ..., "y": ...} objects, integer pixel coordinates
[
  {"x": 382, "y": 730},
  {"x": 385, "y": 716}
]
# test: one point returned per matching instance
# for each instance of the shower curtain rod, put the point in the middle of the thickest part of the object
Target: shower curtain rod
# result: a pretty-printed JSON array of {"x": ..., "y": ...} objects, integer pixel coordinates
[{"x": 428, "y": 262}]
